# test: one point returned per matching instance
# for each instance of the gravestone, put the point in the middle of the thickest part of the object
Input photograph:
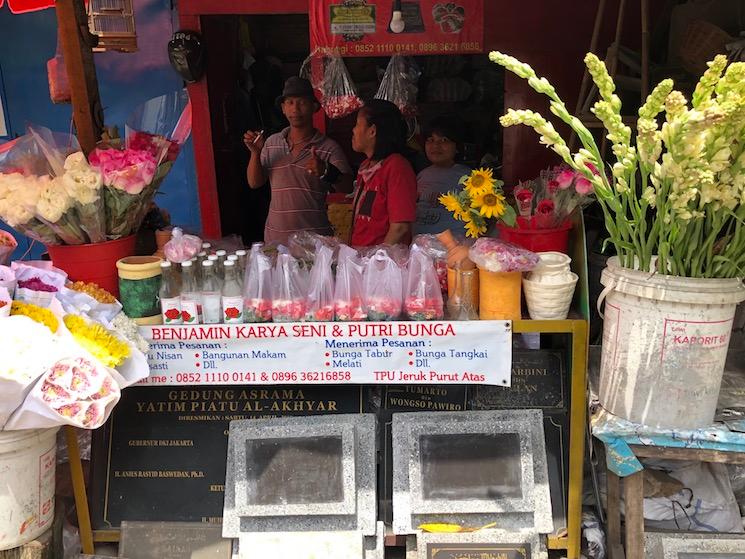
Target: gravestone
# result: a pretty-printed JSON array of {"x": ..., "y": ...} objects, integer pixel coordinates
[
  {"x": 484, "y": 544},
  {"x": 693, "y": 545},
  {"x": 173, "y": 540},
  {"x": 161, "y": 456},
  {"x": 408, "y": 398},
  {"x": 471, "y": 469},
  {"x": 539, "y": 381},
  {"x": 305, "y": 475}
]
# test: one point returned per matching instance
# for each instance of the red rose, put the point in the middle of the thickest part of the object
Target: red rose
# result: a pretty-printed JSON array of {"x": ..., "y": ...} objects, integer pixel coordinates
[
  {"x": 545, "y": 207},
  {"x": 186, "y": 316},
  {"x": 232, "y": 312},
  {"x": 172, "y": 314}
]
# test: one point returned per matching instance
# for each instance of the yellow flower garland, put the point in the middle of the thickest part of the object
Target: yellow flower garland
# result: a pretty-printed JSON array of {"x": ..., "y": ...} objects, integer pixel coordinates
[
  {"x": 105, "y": 347},
  {"x": 34, "y": 312}
]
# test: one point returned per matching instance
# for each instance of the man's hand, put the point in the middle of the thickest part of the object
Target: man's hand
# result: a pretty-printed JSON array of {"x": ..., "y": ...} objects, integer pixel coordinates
[
  {"x": 316, "y": 166},
  {"x": 254, "y": 141}
]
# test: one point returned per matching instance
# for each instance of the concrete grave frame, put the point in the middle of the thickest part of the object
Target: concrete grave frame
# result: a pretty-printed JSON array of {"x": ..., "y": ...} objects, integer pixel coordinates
[
  {"x": 532, "y": 511},
  {"x": 356, "y": 512},
  {"x": 670, "y": 545},
  {"x": 416, "y": 545}
]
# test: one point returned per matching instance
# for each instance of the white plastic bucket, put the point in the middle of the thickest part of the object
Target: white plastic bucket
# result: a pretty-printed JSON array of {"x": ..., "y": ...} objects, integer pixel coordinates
[
  {"x": 27, "y": 467},
  {"x": 665, "y": 342}
]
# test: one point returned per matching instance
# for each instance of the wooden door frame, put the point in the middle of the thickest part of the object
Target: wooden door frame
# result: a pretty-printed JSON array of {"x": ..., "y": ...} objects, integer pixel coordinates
[{"x": 190, "y": 13}]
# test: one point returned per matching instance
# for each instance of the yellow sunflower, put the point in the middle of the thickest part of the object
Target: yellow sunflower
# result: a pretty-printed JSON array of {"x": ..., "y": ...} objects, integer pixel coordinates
[
  {"x": 475, "y": 229},
  {"x": 453, "y": 204},
  {"x": 481, "y": 181},
  {"x": 489, "y": 204}
]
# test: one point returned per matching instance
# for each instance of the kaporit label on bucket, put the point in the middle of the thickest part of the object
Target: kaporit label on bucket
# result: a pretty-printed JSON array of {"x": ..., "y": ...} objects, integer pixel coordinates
[{"x": 690, "y": 341}]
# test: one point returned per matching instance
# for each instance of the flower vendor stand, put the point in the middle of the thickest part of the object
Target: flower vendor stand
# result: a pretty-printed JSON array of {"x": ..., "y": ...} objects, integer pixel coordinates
[{"x": 95, "y": 262}]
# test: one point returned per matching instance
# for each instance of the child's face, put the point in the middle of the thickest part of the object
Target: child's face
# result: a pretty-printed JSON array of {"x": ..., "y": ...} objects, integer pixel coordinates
[{"x": 440, "y": 150}]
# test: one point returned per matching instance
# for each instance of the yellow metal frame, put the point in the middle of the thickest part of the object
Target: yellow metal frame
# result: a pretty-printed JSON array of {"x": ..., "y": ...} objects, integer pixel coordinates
[{"x": 577, "y": 422}]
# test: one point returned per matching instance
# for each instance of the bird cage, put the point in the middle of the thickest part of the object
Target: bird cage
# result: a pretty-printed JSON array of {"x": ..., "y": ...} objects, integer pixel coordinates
[{"x": 113, "y": 22}]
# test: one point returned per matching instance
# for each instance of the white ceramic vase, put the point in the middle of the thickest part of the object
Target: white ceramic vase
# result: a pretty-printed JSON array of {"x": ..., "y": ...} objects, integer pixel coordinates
[{"x": 549, "y": 288}]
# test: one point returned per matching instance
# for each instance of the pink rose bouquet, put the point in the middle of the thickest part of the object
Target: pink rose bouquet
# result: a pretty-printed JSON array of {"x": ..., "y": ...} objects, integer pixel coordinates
[{"x": 549, "y": 200}]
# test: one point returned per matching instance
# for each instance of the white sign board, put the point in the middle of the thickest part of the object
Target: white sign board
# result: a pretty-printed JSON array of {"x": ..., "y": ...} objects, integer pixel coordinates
[{"x": 476, "y": 352}]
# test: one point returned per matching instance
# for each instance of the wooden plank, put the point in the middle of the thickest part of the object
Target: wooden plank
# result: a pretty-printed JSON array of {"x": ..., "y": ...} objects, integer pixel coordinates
[
  {"x": 613, "y": 511},
  {"x": 633, "y": 489},
  {"x": 702, "y": 455},
  {"x": 78, "y": 484},
  {"x": 40, "y": 548},
  {"x": 87, "y": 111},
  {"x": 204, "y": 155}
]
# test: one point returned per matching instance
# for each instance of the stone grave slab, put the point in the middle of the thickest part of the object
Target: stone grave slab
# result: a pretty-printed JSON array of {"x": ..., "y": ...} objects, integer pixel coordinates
[
  {"x": 472, "y": 469},
  {"x": 308, "y": 474},
  {"x": 302, "y": 545},
  {"x": 693, "y": 545},
  {"x": 484, "y": 544},
  {"x": 173, "y": 540},
  {"x": 161, "y": 455}
]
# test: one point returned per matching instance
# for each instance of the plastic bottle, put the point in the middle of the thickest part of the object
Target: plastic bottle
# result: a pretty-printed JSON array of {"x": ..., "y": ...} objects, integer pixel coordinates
[
  {"x": 210, "y": 294},
  {"x": 206, "y": 247},
  {"x": 191, "y": 298},
  {"x": 170, "y": 301},
  {"x": 216, "y": 263},
  {"x": 232, "y": 295}
]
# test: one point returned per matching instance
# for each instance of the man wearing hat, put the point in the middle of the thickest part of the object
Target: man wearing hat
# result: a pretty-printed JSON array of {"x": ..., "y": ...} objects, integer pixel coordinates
[{"x": 301, "y": 164}]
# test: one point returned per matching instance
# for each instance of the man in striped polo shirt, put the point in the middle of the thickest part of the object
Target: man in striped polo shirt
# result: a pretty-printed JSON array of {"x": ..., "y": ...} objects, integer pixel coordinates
[{"x": 301, "y": 164}]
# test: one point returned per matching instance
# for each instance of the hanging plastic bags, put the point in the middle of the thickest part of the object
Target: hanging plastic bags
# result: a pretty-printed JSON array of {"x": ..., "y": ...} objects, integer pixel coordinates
[
  {"x": 423, "y": 296},
  {"x": 257, "y": 286},
  {"x": 383, "y": 287},
  {"x": 399, "y": 84},
  {"x": 330, "y": 78}
]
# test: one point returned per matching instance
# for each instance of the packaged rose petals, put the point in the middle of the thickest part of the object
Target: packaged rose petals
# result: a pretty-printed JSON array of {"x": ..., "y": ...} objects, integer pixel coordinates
[
  {"x": 321, "y": 288},
  {"x": 290, "y": 301},
  {"x": 349, "y": 302},
  {"x": 257, "y": 286},
  {"x": 383, "y": 287},
  {"x": 37, "y": 282},
  {"x": 423, "y": 295},
  {"x": 495, "y": 255}
]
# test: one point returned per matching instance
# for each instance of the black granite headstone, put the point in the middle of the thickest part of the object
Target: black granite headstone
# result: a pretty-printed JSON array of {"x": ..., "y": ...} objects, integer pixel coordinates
[
  {"x": 538, "y": 382},
  {"x": 161, "y": 456},
  {"x": 478, "y": 551}
]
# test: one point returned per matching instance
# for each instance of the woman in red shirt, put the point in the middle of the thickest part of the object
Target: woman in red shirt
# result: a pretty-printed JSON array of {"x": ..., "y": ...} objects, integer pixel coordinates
[{"x": 385, "y": 197}]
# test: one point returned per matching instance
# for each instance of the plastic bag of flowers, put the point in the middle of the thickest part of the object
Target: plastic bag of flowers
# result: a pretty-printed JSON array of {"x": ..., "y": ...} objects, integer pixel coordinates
[
  {"x": 49, "y": 192},
  {"x": 37, "y": 281},
  {"x": 383, "y": 287},
  {"x": 495, "y": 255},
  {"x": 349, "y": 302},
  {"x": 423, "y": 295},
  {"x": 290, "y": 282},
  {"x": 132, "y": 173},
  {"x": 90, "y": 300},
  {"x": 257, "y": 286},
  {"x": 321, "y": 288}
]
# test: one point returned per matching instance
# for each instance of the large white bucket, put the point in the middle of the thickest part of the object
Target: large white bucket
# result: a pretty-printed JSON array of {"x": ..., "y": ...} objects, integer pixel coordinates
[
  {"x": 665, "y": 342},
  {"x": 27, "y": 467}
]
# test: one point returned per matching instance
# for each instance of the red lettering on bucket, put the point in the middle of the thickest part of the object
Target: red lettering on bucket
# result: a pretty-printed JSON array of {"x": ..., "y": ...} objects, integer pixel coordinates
[{"x": 701, "y": 340}]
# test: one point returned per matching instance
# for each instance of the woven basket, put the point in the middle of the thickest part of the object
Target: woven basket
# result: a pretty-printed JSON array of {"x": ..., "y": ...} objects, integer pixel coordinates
[{"x": 701, "y": 43}]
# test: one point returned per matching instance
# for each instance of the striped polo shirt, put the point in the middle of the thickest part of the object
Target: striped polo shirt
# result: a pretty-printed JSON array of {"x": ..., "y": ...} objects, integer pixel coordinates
[{"x": 298, "y": 198}]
